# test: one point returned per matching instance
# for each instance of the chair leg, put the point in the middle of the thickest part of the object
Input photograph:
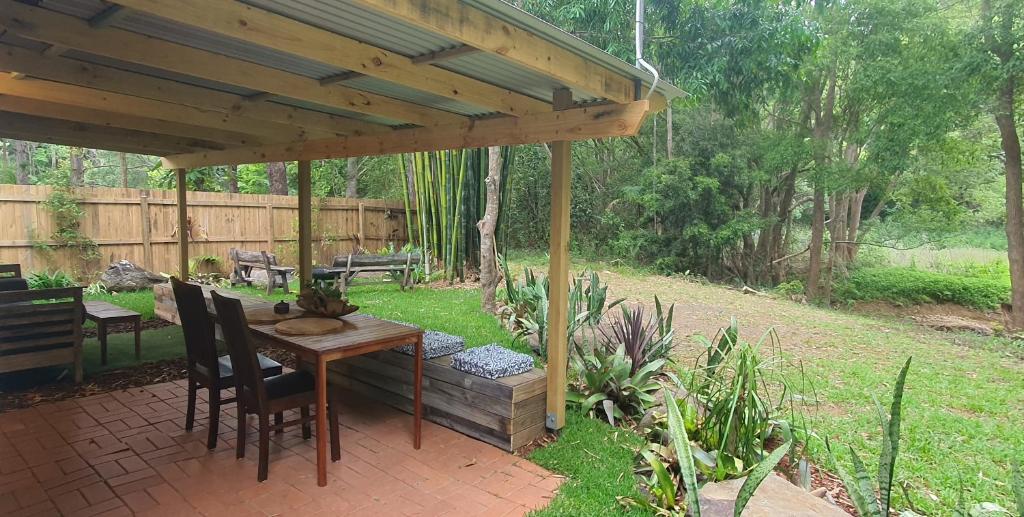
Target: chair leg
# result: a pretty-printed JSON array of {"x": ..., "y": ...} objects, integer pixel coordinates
[
  {"x": 211, "y": 439},
  {"x": 190, "y": 411},
  {"x": 278, "y": 420},
  {"x": 332, "y": 416},
  {"x": 304, "y": 412},
  {"x": 240, "y": 430},
  {"x": 264, "y": 446}
]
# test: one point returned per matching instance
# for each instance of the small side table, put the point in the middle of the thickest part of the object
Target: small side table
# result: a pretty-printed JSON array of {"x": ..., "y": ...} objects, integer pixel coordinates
[{"x": 103, "y": 313}]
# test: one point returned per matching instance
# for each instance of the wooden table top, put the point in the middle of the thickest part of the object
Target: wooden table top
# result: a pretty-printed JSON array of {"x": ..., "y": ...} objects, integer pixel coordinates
[
  {"x": 106, "y": 311},
  {"x": 362, "y": 333}
]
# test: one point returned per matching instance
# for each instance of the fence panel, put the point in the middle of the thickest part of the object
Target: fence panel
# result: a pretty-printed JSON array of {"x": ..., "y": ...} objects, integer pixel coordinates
[{"x": 141, "y": 226}]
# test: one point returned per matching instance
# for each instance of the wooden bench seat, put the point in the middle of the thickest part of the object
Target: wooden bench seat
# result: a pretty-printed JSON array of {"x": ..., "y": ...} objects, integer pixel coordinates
[
  {"x": 348, "y": 266},
  {"x": 245, "y": 262}
]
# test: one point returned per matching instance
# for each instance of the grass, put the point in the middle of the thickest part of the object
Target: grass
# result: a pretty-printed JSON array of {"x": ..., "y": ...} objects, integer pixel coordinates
[
  {"x": 978, "y": 290},
  {"x": 598, "y": 460}
]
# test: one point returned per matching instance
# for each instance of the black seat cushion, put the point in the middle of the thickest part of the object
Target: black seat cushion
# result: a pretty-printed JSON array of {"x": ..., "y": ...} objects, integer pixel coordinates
[
  {"x": 288, "y": 384},
  {"x": 269, "y": 367}
]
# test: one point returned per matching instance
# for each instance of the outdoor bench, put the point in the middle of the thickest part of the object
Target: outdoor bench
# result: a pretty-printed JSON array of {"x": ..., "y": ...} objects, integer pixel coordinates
[
  {"x": 348, "y": 266},
  {"x": 245, "y": 262}
]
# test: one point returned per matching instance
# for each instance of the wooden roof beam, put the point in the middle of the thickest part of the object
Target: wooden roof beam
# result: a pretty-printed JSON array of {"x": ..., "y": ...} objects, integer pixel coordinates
[
  {"x": 340, "y": 78},
  {"x": 82, "y": 97},
  {"x": 108, "y": 17},
  {"x": 576, "y": 124},
  {"x": 55, "y": 28},
  {"x": 445, "y": 55},
  {"x": 41, "y": 129},
  {"x": 471, "y": 26},
  {"x": 26, "y": 106},
  {"x": 99, "y": 77},
  {"x": 260, "y": 27}
]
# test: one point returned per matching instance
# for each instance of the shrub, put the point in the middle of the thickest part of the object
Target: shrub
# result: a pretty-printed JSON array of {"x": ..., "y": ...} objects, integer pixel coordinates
[
  {"x": 607, "y": 380},
  {"x": 645, "y": 339},
  {"x": 911, "y": 286},
  {"x": 47, "y": 280}
]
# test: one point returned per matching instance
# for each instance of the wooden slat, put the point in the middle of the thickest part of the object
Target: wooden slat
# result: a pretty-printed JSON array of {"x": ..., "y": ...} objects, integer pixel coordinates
[
  {"x": 16, "y": 362},
  {"x": 7, "y": 297},
  {"x": 8, "y": 332},
  {"x": 472, "y": 26},
  {"x": 35, "y": 318},
  {"x": 88, "y": 135},
  {"x": 40, "y": 108},
  {"x": 73, "y": 138},
  {"x": 575, "y": 124},
  {"x": 51, "y": 27},
  {"x": 66, "y": 94},
  {"x": 46, "y": 341},
  {"x": 99, "y": 77},
  {"x": 270, "y": 30},
  {"x": 14, "y": 308}
]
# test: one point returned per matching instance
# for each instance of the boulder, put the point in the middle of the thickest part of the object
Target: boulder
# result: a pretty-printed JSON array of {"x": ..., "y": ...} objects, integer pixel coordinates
[
  {"x": 774, "y": 497},
  {"x": 125, "y": 276},
  {"x": 259, "y": 277}
]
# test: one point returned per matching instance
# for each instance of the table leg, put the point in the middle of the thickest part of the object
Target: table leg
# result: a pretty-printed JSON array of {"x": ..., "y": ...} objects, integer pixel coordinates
[
  {"x": 418, "y": 394},
  {"x": 138, "y": 338},
  {"x": 101, "y": 333},
  {"x": 321, "y": 422}
]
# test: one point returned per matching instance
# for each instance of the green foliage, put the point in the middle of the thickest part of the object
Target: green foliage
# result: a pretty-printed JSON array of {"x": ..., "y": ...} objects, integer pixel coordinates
[
  {"x": 63, "y": 205},
  {"x": 910, "y": 285},
  {"x": 645, "y": 339},
  {"x": 790, "y": 288},
  {"x": 47, "y": 280},
  {"x": 607, "y": 384},
  {"x": 859, "y": 485}
]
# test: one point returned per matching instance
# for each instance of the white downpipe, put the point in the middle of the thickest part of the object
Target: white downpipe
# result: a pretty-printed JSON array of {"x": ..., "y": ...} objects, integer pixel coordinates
[{"x": 639, "y": 42}]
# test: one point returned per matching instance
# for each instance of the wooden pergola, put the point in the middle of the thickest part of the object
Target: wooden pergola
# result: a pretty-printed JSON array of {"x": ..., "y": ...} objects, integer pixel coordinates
[{"x": 220, "y": 82}]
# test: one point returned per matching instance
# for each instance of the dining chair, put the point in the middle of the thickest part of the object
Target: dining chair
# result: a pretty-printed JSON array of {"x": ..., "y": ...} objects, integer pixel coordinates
[
  {"x": 205, "y": 368},
  {"x": 262, "y": 396}
]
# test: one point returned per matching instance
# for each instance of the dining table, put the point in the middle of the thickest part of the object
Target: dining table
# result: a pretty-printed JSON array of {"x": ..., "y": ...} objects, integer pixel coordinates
[{"x": 360, "y": 334}]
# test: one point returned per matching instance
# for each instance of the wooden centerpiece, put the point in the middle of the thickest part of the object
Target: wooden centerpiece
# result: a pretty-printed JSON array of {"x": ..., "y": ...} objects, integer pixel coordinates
[{"x": 325, "y": 301}]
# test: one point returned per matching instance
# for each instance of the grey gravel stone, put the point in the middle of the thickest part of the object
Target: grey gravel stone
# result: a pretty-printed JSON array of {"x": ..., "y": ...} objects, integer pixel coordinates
[
  {"x": 435, "y": 344},
  {"x": 492, "y": 361}
]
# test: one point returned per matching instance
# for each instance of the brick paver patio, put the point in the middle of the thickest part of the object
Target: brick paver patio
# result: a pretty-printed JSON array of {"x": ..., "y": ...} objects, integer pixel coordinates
[{"x": 124, "y": 453}]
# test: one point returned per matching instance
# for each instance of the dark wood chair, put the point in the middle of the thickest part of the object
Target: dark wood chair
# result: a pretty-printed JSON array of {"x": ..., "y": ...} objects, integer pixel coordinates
[
  {"x": 205, "y": 368},
  {"x": 263, "y": 396}
]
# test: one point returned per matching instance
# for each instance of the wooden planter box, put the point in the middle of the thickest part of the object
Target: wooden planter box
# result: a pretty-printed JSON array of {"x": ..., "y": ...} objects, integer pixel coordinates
[{"x": 507, "y": 413}]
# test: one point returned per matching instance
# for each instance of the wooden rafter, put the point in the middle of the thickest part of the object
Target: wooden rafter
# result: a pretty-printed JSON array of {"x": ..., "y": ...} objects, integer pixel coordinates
[
  {"x": 41, "y": 129},
  {"x": 108, "y": 16},
  {"x": 82, "y": 97},
  {"x": 71, "y": 113},
  {"x": 471, "y": 26},
  {"x": 445, "y": 55},
  {"x": 99, "y": 77},
  {"x": 54, "y": 28},
  {"x": 271, "y": 30},
  {"x": 576, "y": 124}
]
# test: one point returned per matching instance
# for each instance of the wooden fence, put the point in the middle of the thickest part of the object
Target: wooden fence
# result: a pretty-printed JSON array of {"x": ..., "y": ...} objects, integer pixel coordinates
[{"x": 140, "y": 225}]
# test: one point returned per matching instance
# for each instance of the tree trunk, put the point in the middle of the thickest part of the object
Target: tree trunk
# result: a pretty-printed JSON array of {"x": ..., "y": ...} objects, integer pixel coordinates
[
  {"x": 22, "y": 162},
  {"x": 77, "y": 167},
  {"x": 124, "y": 169},
  {"x": 233, "y": 179},
  {"x": 352, "y": 177},
  {"x": 817, "y": 242},
  {"x": 668, "y": 132},
  {"x": 1010, "y": 142},
  {"x": 822, "y": 136},
  {"x": 487, "y": 226},
  {"x": 277, "y": 175}
]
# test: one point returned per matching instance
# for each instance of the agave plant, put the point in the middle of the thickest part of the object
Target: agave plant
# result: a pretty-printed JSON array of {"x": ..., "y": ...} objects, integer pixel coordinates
[
  {"x": 860, "y": 486},
  {"x": 608, "y": 385}
]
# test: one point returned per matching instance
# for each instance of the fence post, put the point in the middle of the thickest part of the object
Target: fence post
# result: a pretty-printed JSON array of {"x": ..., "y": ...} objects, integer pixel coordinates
[
  {"x": 270, "y": 227},
  {"x": 147, "y": 244},
  {"x": 362, "y": 225}
]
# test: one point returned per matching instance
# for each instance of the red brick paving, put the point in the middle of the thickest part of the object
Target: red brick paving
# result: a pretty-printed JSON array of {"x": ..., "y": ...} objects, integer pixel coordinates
[{"x": 126, "y": 453}]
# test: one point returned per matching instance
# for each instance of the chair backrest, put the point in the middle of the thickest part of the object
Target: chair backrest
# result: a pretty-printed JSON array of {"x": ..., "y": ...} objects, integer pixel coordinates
[
  {"x": 10, "y": 270},
  {"x": 13, "y": 284},
  {"x": 246, "y": 366},
  {"x": 196, "y": 324}
]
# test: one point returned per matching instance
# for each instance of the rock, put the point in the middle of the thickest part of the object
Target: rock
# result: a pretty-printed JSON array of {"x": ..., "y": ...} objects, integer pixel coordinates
[
  {"x": 259, "y": 277},
  {"x": 125, "y": 276},
  {"x": 774, "y": 497}
]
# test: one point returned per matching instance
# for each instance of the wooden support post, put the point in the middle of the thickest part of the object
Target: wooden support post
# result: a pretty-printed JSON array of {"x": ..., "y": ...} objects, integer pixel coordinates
[
  {"x": 271, "y": 239},
  {"x": 183, "y": 228},
  {"x": 305, "y": 224},
  {"x": 147, "y": 240},
  {"x": 362, "y": 225},
  {"x": 558, "y": 273}
]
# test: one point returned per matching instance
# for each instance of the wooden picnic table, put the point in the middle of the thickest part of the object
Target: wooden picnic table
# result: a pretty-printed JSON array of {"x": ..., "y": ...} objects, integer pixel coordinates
[
  {"x": 362, "y": 334},
  {"x": 104, "y": 314}
]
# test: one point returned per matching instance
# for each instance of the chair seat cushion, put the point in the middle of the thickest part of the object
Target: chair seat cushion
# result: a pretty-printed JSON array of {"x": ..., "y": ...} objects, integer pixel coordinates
[
  {"x": 435, "y": 344},
  {"x": 269, "y": 367},
  {"x": 291, "y": 383},
  {"x": 492, "y": 361}
]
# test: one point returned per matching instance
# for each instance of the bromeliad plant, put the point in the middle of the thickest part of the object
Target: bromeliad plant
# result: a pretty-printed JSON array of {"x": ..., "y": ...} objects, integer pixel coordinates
[
  {"x": 646, "y": 339},
  {"x": 609, "y": 386}
]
